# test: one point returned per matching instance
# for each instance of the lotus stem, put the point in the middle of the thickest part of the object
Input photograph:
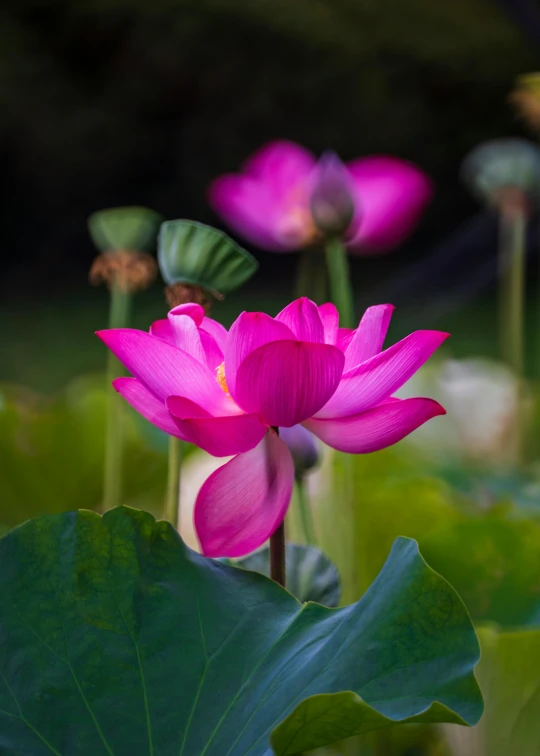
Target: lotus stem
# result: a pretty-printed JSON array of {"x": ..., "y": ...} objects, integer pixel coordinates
[
  {"x": 172, "y": 496},
  {"x": 277, "y": 549},
  {"x": 311, "y": 275},
  {"x": 120, "y": 307},
  {"x": 277, "y": 555},
  {"x": 512, "y": 287},
  {"x": 305, "y": 511},
  {"x": 342, "y": 296},
  {"x": 512, "y": 259},
  {"x": 339, "y": 277}
]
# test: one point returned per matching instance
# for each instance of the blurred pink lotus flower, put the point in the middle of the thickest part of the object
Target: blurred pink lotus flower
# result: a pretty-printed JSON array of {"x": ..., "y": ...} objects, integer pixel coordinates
[
  {"x": 270, "y": 203},
  {"x": 228, "y": 392}
]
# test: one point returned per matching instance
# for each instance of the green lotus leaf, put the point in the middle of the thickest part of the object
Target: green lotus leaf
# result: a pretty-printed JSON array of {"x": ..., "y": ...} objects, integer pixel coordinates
[
  {"x": 117, "y": 639},
  {"x": 196, "y": 254},
  {"x": 129, "y": 228},
  {"x": 311, "y": 575}
]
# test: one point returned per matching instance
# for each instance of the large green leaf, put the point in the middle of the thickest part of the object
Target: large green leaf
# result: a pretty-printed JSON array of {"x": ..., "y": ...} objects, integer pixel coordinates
[
  {"x": 509, "y": 675},
  {"x": 116, "y": 639},
  {"x": 190, "y": 252},
  {"x": 131, "y": 228}
]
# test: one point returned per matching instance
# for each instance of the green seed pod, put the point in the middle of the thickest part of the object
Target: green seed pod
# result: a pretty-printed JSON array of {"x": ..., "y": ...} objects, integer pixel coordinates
[
  {"x": 501, "y": 164},
  {"x": 125, "y": 228},
  {"x": 200, "y": 256}
]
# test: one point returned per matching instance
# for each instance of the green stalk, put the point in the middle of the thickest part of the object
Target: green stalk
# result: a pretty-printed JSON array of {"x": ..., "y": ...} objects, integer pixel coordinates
[
  {"x": 277, "y": 550},
  {"x": 512, "y": 288},
  {"x": 119, "y": 313},
  {"x": 277, "y": 555},
  {"x": 311, "y": 275},
  {"x": 337, "y": 264},
  {"x": 172, "y": 496},
  {"x": 305, "y": 511},
  {"x": 512, "y": 258}
]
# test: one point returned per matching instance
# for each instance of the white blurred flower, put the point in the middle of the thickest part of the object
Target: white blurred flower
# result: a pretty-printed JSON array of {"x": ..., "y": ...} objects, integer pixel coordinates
[{"x": 482, "y": 400}]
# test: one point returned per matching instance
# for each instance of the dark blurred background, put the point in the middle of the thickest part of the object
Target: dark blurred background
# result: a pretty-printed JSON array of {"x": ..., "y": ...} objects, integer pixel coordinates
[{"x": 114, "y": 102}]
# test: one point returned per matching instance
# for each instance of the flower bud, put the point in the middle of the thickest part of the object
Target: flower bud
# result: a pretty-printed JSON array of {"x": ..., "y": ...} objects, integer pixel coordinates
[
  {"x": 303, "y": 446},
  {"x": 332, "y": 200}
]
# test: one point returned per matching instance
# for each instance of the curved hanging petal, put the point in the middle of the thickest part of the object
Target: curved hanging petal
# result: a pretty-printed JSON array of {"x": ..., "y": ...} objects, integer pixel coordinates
[
  {"x": 375, "y": 428},
  {"x": 148, "y": 405},
  {"x": 286, "y": 382},
  {"x": 303, "y": 318},
  {"x": 241, "y": 504},
  {"x": 373, "y": 381}
]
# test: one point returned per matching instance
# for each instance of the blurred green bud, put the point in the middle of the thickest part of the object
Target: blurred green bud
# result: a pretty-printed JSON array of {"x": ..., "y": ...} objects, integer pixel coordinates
[
  {"x": 198, "y": 257},
  {"x": 503, "y": 170},
  {"x": 303, "y": 446},
  {"x": 126, "y": 228},
  {"x": 332, "y": 203}
]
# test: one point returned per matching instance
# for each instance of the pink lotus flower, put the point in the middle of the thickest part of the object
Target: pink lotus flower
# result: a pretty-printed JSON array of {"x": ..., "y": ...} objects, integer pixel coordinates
[
  {"x": 269, "y": 202},
  {"x": 228, "y": 392}
]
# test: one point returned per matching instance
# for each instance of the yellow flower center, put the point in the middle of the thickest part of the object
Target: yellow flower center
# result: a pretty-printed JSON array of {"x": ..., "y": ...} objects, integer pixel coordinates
[{"x": 220, "y": 377}]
